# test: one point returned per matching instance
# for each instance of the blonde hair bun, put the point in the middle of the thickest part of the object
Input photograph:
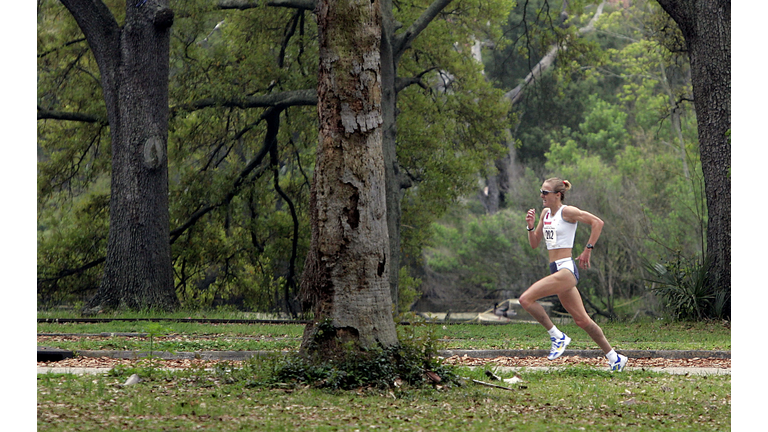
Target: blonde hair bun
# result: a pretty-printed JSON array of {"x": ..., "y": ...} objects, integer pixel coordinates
[{"x": 567, "y": 185}]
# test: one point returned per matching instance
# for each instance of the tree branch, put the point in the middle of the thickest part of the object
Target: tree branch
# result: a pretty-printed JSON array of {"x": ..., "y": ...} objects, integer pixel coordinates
[
  {"x": 400, "y": 42},
  {"x": 237, "y": 184},
  {"x": 402, "y": 83},
  {"x": 403, "y": 41},
  {"x": 546, "y": 62},
  {"x": 176, "y": 233},
  {"x": 44, "y": 114},
  {"x": 61, "y": 47},
  {"x": 289, "y": 32},
  {"x": 675, "y": 9},
  {"x": 598, "y": 311},
  {"x": 590, "y": 27},
  {"x": 97, "y": 24},
  {"x": 103, "y": 34},
  {"x": 246, "y": 4},
  {"x": 70, "y": 272},
  {"x": 280, "y": 100}
]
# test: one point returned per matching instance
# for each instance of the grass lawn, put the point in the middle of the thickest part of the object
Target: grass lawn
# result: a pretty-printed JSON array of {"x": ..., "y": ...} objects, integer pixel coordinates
[
  {"x": 574, "y": 399},
  {"x": 657, "y": 335},
  {"x": 231, "y": 398}
]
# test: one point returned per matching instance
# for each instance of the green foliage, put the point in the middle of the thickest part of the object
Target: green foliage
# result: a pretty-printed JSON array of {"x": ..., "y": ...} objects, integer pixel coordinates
[
  {"x": 241, "y": 251},
  {"x": 558, "y": 98},
  {"x": 604, "y": 129},
  {"x": 70, "y": 235},
  {"x": 408, "y": 290},
  {"x": 453, "y": 129},
  {"x": 613, "y": 116},
  {"x": 478, "y": 255},
  {"x": 618, "y": 127}
]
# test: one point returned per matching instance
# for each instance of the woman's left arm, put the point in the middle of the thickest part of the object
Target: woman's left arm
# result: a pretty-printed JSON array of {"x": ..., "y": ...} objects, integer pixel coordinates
[{"x": 573, "y": 214}]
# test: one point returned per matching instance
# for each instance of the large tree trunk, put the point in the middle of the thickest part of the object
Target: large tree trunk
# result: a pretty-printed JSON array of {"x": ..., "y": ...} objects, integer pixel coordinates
[
  {"x": 706, "y": 27},
  {"x": 346, "y": 276},
  {"x": 134, "y": 64}
]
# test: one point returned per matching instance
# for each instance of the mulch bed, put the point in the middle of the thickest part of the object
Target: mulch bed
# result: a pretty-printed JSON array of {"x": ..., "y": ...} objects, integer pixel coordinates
[
  {"x": 597, "y": 362},
  {"x": 104, "y": 362}
]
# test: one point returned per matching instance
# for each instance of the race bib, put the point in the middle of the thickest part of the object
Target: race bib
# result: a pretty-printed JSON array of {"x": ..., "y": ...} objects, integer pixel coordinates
[{"x": 550, "y": 235}]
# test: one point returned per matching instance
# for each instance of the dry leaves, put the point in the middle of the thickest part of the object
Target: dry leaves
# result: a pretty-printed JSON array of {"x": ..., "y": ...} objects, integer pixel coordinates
[
  {"x": 104, "y": 362},
  {"x": 576, "y": 360},
  {"x": 108, "y": 363}
]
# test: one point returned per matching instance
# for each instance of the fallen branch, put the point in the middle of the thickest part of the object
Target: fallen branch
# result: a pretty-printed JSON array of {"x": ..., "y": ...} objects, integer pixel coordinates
[{"x": 488, "y": 384}]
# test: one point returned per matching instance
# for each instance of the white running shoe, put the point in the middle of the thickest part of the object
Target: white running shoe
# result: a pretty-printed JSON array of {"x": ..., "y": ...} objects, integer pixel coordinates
[
  {"x": 558, "y": 346},
  {"x": 619, "y": 364}
]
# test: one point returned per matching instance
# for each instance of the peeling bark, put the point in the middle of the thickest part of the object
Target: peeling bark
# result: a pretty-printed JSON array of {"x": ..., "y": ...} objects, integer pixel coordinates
[{"x": 346, "y": 277}]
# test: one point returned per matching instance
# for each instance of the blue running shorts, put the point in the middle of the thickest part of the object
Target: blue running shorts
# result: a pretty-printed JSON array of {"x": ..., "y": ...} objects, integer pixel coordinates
[{"x": 565, "y": 263}]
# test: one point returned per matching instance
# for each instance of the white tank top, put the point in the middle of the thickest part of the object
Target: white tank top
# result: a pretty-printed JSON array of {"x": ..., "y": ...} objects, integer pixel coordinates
[{"x": 558, "y": 233}]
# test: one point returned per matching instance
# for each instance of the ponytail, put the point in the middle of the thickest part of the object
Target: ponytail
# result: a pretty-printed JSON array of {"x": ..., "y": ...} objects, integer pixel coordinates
[{"x": 559, "y": 186}]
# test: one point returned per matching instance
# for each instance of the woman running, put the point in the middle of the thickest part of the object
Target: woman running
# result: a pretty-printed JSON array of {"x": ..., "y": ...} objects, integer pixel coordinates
[{"x": 557, "y": 226}]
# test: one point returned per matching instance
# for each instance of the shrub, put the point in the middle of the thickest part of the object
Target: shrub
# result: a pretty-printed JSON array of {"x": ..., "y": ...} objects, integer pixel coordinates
[
  {"x": 351, "y": 367},
  {"x": 687, "y": 293}
]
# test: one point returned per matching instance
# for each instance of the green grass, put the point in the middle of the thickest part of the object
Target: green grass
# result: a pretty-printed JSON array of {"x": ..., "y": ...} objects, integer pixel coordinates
[
  {"x": 575, "y": 399},
  {"x": 657, "y": 335},
  {"x": 166, "y": 344},
  {"x": 192, "y": 329}
]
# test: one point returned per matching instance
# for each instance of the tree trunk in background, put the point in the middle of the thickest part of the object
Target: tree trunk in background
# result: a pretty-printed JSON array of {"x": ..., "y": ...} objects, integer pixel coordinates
[
  {"x": 396, "y": 181},
  {"x": 346, "y": 276},
  {"x": 392, "y": 48},
  {"x": 706, "y": 27},
  {"x": 134, "y": 65}
]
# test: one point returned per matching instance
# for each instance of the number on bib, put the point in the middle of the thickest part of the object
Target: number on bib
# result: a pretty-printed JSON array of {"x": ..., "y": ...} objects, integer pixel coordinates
[{"x": 550, "y": 235}]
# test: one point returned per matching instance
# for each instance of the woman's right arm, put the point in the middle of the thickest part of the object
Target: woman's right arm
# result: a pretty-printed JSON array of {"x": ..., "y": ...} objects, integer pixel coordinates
[{"x": 534, "y": 236}]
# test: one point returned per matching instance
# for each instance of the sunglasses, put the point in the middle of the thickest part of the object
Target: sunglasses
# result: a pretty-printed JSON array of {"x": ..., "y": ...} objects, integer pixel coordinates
[{"x": 546, "y": 192}]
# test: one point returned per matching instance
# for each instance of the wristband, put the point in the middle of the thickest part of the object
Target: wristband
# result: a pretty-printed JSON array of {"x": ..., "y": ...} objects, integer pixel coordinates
[{"x": 530, "y": 229}]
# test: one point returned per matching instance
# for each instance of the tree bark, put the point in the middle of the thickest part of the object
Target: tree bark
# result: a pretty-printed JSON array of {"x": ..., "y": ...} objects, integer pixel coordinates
[
  {"x": 706, "y": 27},
  {"x": 346, "y": 276},
  {"x": 134, "y": 63}
]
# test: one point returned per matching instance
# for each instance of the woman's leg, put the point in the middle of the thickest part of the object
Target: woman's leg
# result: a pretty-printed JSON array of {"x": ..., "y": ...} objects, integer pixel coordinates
[
  {"x": 571, "y": 301},
  {"x": 553, "y": 284}
]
